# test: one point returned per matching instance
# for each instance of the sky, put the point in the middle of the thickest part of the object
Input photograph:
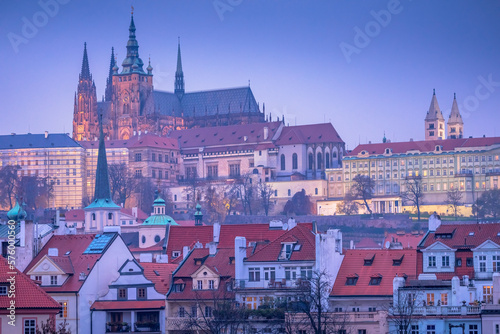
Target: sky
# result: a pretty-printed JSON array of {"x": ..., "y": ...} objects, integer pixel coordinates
[{"x": 368, "y": 67}]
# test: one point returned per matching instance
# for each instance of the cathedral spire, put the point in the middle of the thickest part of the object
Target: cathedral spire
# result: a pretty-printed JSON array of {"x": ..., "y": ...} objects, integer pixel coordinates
[
  {"x": 109, "y": 82},
  {"x": 85, "y": 73},
  {"x": 179, "y": 75},
  {"x": 132, "y": 63},
  {"x": 102, "y": 191}
]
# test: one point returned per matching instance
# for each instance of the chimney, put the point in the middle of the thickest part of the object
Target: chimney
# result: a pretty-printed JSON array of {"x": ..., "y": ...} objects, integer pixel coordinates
[
  {"x": 397, "y": 283},
  {"x": 53, "y": 252},
  {"x": 46, "y": 134},
  {"x": 266, "y": 132},
  {"x": 496, "y": 288},
  {"x": 134, "y": 212},
  {"x": 216, "y": 231},
  {"x": 245, "y": 138},
  {"x": 212, "y": 248},
  {"x": 185, "y": 252},
  {"x": 434, "y": 222},
  {"x": 240, "y": 252},
  {"x": 162, "y": 258},
  {"x": 351, "y": 244},
  {"x": 22, "y": 233},
  {"x": 411, "y": 139},
  {"x": 112, "y": 229}
]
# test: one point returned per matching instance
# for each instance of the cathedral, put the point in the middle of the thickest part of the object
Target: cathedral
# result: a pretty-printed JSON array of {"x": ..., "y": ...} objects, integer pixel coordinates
[{"x": 131, "y": 104}]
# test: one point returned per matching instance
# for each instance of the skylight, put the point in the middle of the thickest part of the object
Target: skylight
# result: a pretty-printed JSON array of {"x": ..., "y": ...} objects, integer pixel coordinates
[
  {"x": 99, "y": 243},
  {"x": 471, "y": 233}
]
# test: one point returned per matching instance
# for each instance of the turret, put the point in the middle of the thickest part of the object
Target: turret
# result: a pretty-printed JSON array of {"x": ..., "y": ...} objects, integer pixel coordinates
[
  {"x": 455, "y": 122},
  {"x": 434, "y": 121}
]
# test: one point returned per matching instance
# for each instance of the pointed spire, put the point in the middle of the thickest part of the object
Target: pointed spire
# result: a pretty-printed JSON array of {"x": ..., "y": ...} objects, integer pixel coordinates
[
  {"x": 85, "y": 73},
  {"x": 434, "y": 110},
  {"x": 109, "y": 82},
  {"x": 102, "y": 191},
  {"x": 179, "y": 75},
  {"x": 132, "y": 62}
]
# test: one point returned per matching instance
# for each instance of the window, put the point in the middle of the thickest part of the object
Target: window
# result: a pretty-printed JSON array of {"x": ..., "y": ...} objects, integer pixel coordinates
[
  {"x": 445, "y": 261},
  {"x": 458, "y": 262},
  {"x": 254, "y": 274},
  {"x": 488, "y": 294},
  {"x": 295, "y": 163},
  {"x": 234, "y": 170},
  {"x": 191, "y": 172},
  {"x": 3, "y": 290},
  {"x": 431, "y": 329},
  {"x": 351, "y": 281},
  {"x": 430, "y": 299},
  {"x": 194, "y": 311},
  {"x": 208, "y": 311},
  {"x": 473, "y": 329},
  {"x": 182, "y": 312},
  {"x": 269, "y": 274},
  {"x": 290, "y": 273},
  {"x": 286, "y": 251},
  {"x": 327, "y": 160},
  {"x": 199, "y": 284},
  {"x": 482, "y": 263},
  {"x": 496, "y": 263},
  {"x": 160, "y": 158},
  {"x": 176, "y": 254},
  {"x": 361, "y": 331},
  {"x": 64, "y": 310},
  {"x": 211, "y": 284},
  {"x": 375, "y": 280},
  {"x": 153, "y": 156},
  {"x": 153, "y": 174},
  {"x": 414, "y": 329},
  {"x": 213, "y": 171},
  {"x": 444, "y": 299},
  {"x": 138, "y": 173},
  {"x": 311, "y": 161},
  {"x": 53, "y": 280},
  {"x": 138, "y": 157},
  {"x": 29, "y": 326},
  {"x": 122, "y": 293},
  {"x": 282, "y": 159},
  {"x": 469, "y": 262},
  {"x": 432, "y": 261},
  {"x": 319, "y": 160},
  {"x": 141, "y": 293},
  {"x": 306, "y": 272}
]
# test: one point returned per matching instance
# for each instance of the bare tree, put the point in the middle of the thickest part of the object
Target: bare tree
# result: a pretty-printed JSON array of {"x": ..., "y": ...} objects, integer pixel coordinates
[
  {"x": 362, "y": 187},
  {"x": 265, "y": 192},
  {"x": 300, "y": 204},
  {"x": 122, "y": 183},
  {"x": 214, "y": 207},
  {"x": 309, "y": 309},
  {"x": 49, "y": 327},
  {"x": 402, "y": 315},
  {"x": 488, "y": 204},
  {"x": 8, "y": 183},
  {"x": 230, "y": 199},
  {"x": 145, "y": 192},
  {"x": 348, "y": 206},
  {"x": 35, "y": 191},
  {"x": 193, "y": 191},
  {"x": 413, "y": 193},
  {"x": 246, "y": 192},
  {"x": 454, "y": 200}
]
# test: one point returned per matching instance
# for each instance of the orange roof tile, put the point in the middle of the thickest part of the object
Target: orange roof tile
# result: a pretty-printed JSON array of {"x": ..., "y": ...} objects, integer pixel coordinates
[{"x": 160, "y": 274}]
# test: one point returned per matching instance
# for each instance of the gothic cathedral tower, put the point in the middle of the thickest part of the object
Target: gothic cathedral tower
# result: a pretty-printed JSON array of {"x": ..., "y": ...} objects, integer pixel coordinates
[
  {"x": 132, "y": 96},
  {"x": 434, "y": 121},
  {"x": 85, "y": 122}
]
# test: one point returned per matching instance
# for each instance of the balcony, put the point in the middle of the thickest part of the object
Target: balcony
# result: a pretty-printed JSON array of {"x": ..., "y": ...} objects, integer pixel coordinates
[
  {"x": 464, "y": 173},
  {"x": 273, "y": 284},
  {"x": 495, "y": 172},
  {"x": 446, "y": 310}
]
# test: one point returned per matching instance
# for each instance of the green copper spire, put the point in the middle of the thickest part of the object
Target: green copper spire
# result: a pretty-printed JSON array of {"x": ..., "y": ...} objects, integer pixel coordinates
[
  {"x": 179, "y": 75},
  {"x": 132, "y": 63},
  {"x": 101, "y": 175}
]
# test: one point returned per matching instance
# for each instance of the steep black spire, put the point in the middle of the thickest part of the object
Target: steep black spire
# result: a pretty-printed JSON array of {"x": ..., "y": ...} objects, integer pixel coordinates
[
  {"x": 102, "y": 191},
  {"x": 132, "y": 63},
  {"x": 179, "y": 75},
  {"x": 109, "y": 82},
  {"x": 85, "y": 73}
]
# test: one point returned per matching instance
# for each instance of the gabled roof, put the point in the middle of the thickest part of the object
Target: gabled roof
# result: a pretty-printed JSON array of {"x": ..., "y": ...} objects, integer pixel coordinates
[
  {"x": 252, "y": 232},
  {"x": 141, "y": 215},
  {"x": 462, "y": 236},
  {"x": 222, "y": 136},
  {"x": 407, "y": 240},
  {"x": 308, "y": 134},
  {"x": 52, "y": 140},
  {"x": 303, "y": 239},
  {"x": 150, "y": 140},
  {"x": 64, "y": 263},
  {"x": 75, "y": 215},
  {"x": 28, "y": 294},
  {"x": 82, "y": 263},
  {"x": 180, "y": 236},
  {"x": 425, "y": 146},
  {"x": 353, "y": 265},
  {"x": 367, "y": 243}
]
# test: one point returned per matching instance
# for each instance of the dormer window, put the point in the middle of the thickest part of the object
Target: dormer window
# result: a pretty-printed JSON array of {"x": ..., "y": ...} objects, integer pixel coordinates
[
  {"x": 398, "y": 261},
  {"x": 286, "y": 251},
  {"x": 375, "y": 280},
  {"x": 53, "y": 280},
  {"x": 388, "y": 151},
  {"x": 351, "y": 280},
  {"x": 176, "y": 254},
  {"x": 199, "y": 284},
  {"x": 368, "y": 261}
]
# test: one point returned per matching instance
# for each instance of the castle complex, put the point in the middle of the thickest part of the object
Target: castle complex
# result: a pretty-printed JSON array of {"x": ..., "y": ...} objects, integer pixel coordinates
[{"x": 131, "y": 105}]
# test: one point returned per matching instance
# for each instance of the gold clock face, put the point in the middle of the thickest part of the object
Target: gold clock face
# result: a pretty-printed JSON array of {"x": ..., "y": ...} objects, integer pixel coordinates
[{"x": 126, "y": 98}]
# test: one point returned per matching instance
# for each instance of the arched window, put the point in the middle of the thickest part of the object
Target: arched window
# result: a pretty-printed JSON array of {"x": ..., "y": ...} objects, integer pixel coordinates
[
  {"x": 319, "y": 160},
  {"x": 110, "y": 216},
  {"x": 93, "y": 216},
  {"x": 143, "y": 239},
  {"x": 327, "y": 162},
  {"x": 295, "y": 163},
  {"x": 311, "y": 160},
  {"x": 282, "y": 162}
]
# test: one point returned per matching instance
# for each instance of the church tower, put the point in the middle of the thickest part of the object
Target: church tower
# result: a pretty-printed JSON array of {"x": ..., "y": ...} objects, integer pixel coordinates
[
  {"x": 179, "y": 75},
  {"x": 85, "y": 125},
  {"x": 132, "y": 97},
  {"x": 455, "y": 122},
  {"x": 434, "y": 121}
]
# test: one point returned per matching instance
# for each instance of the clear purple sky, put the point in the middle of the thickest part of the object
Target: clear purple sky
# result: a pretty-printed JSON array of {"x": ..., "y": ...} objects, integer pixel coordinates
[{"x": 290, "y": 50}]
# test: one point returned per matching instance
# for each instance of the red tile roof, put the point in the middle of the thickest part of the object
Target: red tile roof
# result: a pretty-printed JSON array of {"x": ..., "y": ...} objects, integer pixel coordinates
[
  {"x": 307, "y": 134},
  {"x": 425, "y": 145},
  {"x": 28, "y": 295},
  {"x": 161, "y": 281},
  {"x": 300, "y": 234},
  {"x": 407, "y": 240},
  {"x": 75, "y": 215},
  {"x": 128, "y": 304},
  {"x": 367, "y": 243},
  {"x": 225, "y": 135},
  {"x": 463, "y": 236},
  {"x": 144, "y": 140},
  {"x": 64, "y": 263},
  {"x": 180, "y": 236},
  {"x": 140, "y": 214},
  {"x": 353, "y": 265},
  {"x": 76, "y": 245}
]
